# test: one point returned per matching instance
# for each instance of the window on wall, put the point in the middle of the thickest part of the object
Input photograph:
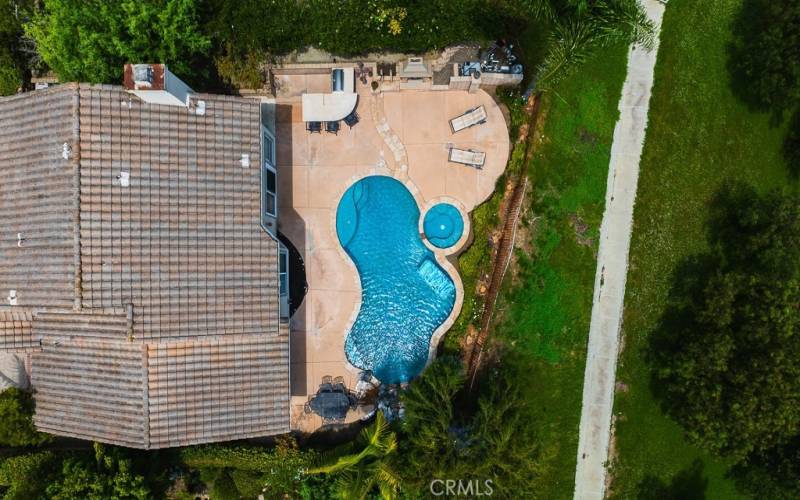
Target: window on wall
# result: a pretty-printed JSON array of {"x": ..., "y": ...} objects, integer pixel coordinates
[
  {"x": 284, "y": 272},
  {"x": 269, "y": 149},
  {"x": 270, "y": 190}
]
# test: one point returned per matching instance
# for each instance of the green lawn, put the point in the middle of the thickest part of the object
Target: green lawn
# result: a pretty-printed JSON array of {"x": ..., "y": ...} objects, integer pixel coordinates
[
  {"x": 543, "y": 316},
  {"x": 699, "y": 136}
]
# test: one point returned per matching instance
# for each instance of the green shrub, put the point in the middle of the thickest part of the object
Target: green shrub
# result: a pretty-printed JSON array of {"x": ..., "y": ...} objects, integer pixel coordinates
[
  {"x": 242, "y": 72},
  {"x": 26, "y": 476},
  {"x": 281, "y": 469},
  {"x": 16, "y": 424},
  {"x": 111, "y": 473},
  {"x": 10, "y": 75},
  {"x": 248, "y": 483}
]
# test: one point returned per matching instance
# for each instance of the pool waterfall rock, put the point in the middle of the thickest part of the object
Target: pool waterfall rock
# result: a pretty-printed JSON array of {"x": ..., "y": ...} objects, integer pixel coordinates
[{"x": 406, "y": 295}]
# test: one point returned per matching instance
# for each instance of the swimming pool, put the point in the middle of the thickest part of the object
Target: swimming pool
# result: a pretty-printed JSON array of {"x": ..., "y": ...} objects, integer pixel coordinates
[
  {"x": 406, "y": 295},
  {"x": 443, "y": 225}
]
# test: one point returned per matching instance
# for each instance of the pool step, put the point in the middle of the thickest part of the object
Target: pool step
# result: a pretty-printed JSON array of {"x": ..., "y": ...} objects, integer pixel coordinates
[{"x": 436, "y": 278}]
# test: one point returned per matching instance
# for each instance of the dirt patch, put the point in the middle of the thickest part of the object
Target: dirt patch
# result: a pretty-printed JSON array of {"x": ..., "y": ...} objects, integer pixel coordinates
[
  {"x": 612, "y": 457},
  {"x": 587, "y": 137},
  {"x": 581, "y": 228},
  {"x": 468, "y": 340}
]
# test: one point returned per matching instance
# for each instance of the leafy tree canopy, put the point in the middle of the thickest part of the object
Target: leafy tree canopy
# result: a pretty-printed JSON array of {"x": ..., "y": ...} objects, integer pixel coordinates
[
  {"x": 16, "y": 425},
  {"x": 765, "y": 56},
  {"x": 91, "y": 40},
  {"x": 12, "y": 66},
  {"x": 10, "y": 73},
  {"x": 726, "y": 355}
]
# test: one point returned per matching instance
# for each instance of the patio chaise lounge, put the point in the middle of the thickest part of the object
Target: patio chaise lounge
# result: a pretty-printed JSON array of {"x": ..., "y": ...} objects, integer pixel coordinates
[
  {"x": 314, "y": 127},
  {"x": 467, "y": 157},
  {"x": 474, "y": 116}
]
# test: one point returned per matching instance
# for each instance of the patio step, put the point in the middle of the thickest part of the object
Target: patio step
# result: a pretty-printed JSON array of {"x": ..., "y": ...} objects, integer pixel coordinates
[{"x": 390, "y": 138}]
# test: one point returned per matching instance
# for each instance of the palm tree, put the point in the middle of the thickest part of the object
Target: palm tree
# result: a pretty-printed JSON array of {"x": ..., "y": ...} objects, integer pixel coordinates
[
  {"x": 360, "y": 472},
  {"x": 578, "y": 27}
]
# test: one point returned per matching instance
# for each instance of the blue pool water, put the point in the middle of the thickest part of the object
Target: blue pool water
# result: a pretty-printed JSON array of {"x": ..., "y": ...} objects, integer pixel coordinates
[
  {"x": 443, "y": 225},
  {"x": 406, "y": 295}
]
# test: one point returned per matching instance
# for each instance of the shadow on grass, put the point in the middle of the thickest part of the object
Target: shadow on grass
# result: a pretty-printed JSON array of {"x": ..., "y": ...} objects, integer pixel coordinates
[
  {"x": 688, "y": 484},
  {"x": 689, "y": 290},
  {"x": 791, "y": 146},
  {"x": 753, "y": 237}
]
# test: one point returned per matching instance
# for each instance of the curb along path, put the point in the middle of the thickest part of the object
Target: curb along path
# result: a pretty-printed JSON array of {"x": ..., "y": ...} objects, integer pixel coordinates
[{"x": 612, "y": 268}]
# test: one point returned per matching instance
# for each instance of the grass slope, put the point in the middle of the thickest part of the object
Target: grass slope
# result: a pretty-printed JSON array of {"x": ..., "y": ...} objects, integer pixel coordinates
[
  {"x": 699, "y": 136},
  {"x": 543, "y": 317}
]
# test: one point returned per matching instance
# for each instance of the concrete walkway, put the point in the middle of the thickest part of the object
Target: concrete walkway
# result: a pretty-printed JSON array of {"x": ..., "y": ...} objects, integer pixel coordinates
[{"x": 612, "y": 269}]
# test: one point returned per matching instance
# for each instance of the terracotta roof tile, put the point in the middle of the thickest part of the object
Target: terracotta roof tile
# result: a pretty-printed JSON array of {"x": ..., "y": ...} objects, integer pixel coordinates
[{"x": 150, "y": 285}]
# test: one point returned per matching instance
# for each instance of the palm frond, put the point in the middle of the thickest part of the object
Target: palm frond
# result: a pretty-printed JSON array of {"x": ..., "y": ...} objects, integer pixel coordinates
[
  {"x": 575, "y": 38},
  {"x": 540, "y": 9},
  {"x": 629, "y": 21},
  {"x": 354, "y": 485}
]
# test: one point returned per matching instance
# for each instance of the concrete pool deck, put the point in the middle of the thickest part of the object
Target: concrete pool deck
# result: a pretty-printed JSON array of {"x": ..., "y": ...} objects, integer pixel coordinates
[{"x": 403, "y": 134}]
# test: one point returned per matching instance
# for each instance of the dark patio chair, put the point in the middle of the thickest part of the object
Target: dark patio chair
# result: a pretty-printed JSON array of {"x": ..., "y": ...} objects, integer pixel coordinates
[
  {"x": 351, "y": 119},
  {"x": 326, "y": 387},
  {"x": 314, "y": 127},
  {"x": 332, "y": 127}
]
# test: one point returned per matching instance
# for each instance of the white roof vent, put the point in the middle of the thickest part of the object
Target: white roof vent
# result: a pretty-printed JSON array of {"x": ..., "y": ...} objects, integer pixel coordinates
[
  {"x": 65, "y": 151},
  {"x": 124, "y": 179},
  {"x": 20, "y": 239},
  {"x": 12, "y": 297},
  {"x": 200, "y": 110},
  {"x": 143, "y": 75},
  {"x": 245, "y": 160}
]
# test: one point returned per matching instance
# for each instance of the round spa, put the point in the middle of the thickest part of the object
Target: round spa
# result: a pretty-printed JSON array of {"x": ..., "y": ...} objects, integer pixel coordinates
[{"x": 443, "y": 225}]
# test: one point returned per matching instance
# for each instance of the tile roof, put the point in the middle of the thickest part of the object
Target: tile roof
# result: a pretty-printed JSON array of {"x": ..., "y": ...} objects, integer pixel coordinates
[
  {"x": 146, "y": 288},
  {"x": 183, "y": 241},
  {"x": 38, "y": 196},
  {"x": 16, "y": 329},
  {"x": 233, "y": 387},
  {"x": 163, "y": 394},
  {"x": 91, "y": 390}
]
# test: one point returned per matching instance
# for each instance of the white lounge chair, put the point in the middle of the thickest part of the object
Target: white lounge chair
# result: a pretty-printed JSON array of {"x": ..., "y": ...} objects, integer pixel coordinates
[
  {"x": 467, "y": 157},
  {"x": 469, "y": 119}
]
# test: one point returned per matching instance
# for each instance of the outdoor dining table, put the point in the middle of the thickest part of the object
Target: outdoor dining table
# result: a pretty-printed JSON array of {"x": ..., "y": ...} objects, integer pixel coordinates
[{"x": 330, "y": 404}]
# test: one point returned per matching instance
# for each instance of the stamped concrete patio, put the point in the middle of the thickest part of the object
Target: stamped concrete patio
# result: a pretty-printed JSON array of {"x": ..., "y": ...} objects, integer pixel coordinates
[{"x": 404, "y": 134}]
